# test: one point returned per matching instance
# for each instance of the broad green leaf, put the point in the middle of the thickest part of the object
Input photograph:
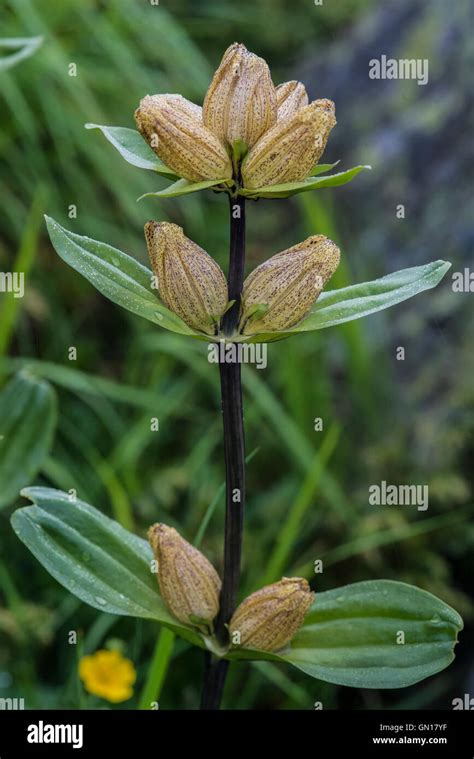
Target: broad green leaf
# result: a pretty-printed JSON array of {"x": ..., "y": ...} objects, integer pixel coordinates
[
  {"x": 338, "y": 306},
  {"x": 114, "y": 274},
  {"x": 23, "y": 47},
  {"x": 93, "y": 557},
  {"x": 131, "y": 146},
  {"x": 321, "y": 168},
  {"x": 352, "y": 636},
  {"x": 353, "y": 302},
  {"x": 27, "y": 424},
  {"x": 310, "y": 183},
  {"x": 184, "y": 187}
]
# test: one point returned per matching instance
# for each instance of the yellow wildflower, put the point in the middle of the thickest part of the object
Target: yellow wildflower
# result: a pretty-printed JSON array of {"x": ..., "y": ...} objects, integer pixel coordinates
[{"x": 108, "y": 674}]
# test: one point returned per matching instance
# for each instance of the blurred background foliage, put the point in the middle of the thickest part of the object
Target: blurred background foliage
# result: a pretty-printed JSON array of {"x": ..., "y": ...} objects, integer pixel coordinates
[{"x": 404, "y": 421}]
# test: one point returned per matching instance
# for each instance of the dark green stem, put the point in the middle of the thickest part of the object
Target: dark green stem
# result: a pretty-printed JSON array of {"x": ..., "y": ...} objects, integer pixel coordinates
[
  {"x": 234, "y": 452},
  {"x": 214, "y": 681},
  {"x": 235, "y": 277}
]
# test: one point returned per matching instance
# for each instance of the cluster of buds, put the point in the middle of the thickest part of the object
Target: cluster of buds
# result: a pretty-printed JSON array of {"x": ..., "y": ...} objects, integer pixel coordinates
[
  {"x": 254, "y": 134},
  {"x": 248, "y": 130},
  {"x": 276, "y": 295},
  {"x": 190, "y": 586}
]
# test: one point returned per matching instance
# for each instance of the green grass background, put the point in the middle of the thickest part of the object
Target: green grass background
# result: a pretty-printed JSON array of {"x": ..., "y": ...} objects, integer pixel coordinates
[{"x": 307, "y": 490}]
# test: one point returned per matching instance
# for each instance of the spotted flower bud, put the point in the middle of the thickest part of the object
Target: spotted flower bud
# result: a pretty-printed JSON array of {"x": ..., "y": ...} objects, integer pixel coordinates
[
  {"x": 268, "y": 619},
  {"x": 280, "y": 292},
  {"x": 291, "y": 96},
  {"x": 240, "y": 103},
  {"x": 290, "y": 149},
  {"x": 173, "y": 127},
  {"x": 190, "y": 282},
  {"x": 189, "y": 584}
]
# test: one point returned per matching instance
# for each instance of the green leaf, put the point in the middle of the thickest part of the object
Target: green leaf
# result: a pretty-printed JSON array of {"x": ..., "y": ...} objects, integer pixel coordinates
[
  {"x": 114, "y": 274},
  {"x": 93, "y": 557},
  {"x": 24, "y": 47},
  {"x": 131, "y": 146},
  {"x": 338, "y": 306},
  {"x": 353, "y": 302},
  {"x": 184, "y": 187},
  {"x": 321, "y": 168},
  {"x": 27, "y": 423},
  {"x": 310, "y": 183},
  {"x": 350, "y": 636}
]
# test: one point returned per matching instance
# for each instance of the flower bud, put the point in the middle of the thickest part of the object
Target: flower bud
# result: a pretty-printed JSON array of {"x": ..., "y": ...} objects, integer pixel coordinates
[
  {"x": 189, "y": 584},
  {"x": 268, "y": 619},
  {"x": 190, "y": 282},
  {"x": 240, "y": 103},
  {"x": 280, "y": 292},
  {"x": 173, "y": 127},
  {"x": 291, "y": 96},
  {"x": 288, "y": 151}
]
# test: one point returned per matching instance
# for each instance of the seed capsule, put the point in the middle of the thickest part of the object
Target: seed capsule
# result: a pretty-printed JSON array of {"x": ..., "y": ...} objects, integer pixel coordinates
[
  {"x": 291, "y": 96},
  {"x": 190, "y": 282},
  {"x": 268, "y": 619},
  {"x": 189, "y": 584},
  {"x": 240, "y": 103},
  {"x": 288, "y": 151},
  {"x": 280, "y": 292},
  {"x": 173, "y": 128}
]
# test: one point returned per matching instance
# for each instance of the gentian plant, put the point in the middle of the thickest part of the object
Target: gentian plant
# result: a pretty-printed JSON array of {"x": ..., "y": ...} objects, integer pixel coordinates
[{"x": 249, "y": 140}]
